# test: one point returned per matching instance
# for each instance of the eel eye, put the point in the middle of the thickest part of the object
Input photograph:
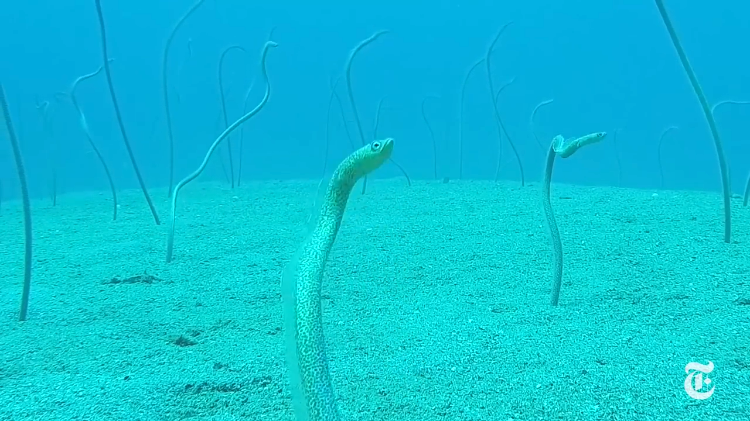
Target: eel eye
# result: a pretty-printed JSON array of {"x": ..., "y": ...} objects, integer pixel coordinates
[{"x": 376, "y": 145}]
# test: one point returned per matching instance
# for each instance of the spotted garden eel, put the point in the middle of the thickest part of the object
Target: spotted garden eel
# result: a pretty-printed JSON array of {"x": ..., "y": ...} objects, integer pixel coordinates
[
  {"x": 312, "y": 391},
  {"x": 563, "y": 148}
]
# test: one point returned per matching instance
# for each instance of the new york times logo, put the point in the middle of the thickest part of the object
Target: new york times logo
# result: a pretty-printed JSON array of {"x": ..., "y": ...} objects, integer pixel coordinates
[{"x": 696, "y": 383}]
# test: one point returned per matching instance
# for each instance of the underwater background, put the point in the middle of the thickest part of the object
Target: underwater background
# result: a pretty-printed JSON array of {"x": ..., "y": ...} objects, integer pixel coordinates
[{"x": 436, "y": 292}]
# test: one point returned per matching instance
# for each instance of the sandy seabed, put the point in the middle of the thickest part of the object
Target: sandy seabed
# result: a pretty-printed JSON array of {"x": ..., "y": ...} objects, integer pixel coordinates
[{"x": 436, "y": 305}]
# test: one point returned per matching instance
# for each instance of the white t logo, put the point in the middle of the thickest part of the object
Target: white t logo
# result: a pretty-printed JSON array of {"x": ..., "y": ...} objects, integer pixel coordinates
[{"x": 694, "y": 382}]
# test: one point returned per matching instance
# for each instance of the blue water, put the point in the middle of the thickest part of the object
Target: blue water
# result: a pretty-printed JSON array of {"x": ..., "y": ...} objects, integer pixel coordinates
[{"x": 607, "y": 66}]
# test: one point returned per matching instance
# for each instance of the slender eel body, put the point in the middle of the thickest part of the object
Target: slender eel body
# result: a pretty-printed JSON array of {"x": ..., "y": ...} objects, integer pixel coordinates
[
  {"x": 563, "y": 148},
  {"x": 302, "y": 283},
  {"x": 554, "y": 232}
]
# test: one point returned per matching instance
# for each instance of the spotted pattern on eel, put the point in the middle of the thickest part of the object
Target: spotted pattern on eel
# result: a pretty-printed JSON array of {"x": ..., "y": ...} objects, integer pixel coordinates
[{"x": 307, "y": 363}]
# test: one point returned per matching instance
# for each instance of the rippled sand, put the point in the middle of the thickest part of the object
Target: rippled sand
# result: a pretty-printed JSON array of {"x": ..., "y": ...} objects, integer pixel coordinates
[{"x": 436, "y": 305}]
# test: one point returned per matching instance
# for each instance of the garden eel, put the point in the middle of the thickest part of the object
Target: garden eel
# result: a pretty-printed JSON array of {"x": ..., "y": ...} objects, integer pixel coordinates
[
  {"x": 563, "y": 148},
  {"x": 310, "y": 381}
]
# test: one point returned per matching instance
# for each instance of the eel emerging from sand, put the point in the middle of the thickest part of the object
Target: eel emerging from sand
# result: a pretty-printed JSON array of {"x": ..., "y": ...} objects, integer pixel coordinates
[
  {"x": 312, "y": 391},
  {"x": 564, "y": 149}
]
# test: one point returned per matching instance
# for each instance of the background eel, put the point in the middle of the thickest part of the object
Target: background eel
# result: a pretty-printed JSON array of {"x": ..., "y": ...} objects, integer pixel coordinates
[
  {"x": 563, "y": 148},
  {"x": 307, "y": 364}
]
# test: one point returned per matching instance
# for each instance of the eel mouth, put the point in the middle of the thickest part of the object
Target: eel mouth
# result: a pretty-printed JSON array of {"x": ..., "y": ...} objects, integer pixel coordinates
[{"x": 388, "y": 146}]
